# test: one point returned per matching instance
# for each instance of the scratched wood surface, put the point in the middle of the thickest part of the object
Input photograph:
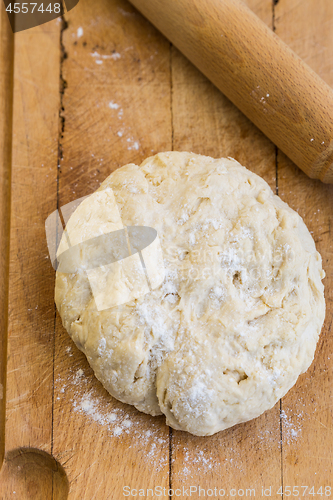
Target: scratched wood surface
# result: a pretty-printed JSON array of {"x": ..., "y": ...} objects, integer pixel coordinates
[
  {"x": 308, "y": 460},
  {"x": 31, "y": 314},
  {"x": 91, "y": 93}
]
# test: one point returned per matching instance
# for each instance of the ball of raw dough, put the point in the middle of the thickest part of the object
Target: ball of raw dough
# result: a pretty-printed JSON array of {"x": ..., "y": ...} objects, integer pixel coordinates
[{"x": 238, "y": 315}]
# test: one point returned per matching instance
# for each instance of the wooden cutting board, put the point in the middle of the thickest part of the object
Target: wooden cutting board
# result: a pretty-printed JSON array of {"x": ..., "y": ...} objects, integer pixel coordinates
[{"x": 95, "y": 92}]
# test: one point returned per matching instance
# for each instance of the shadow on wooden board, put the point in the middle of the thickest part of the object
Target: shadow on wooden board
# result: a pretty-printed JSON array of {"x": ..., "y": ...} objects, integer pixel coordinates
[{"x": 33, "y": 473}]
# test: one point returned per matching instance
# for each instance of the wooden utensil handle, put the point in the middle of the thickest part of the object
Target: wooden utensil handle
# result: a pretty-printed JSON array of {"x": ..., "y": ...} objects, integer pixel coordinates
[
  {"x": 259, "y": 73},
  {"x": 6, "y": 103}
]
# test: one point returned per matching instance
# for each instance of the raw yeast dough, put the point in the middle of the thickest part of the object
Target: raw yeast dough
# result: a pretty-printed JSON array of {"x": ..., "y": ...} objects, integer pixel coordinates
[{"x": 237, "y": 316}]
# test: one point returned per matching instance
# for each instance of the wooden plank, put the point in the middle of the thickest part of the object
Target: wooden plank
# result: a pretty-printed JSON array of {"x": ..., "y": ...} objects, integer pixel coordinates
[
  {"x": 116, "y": 109},
  {"x": 6, "y": 111},
  {"x": 206, "y": 122},
  {"x": 31, "y": 303},
  {"x": 307, "y": 426},
  {"x": 259, "y": 73}
]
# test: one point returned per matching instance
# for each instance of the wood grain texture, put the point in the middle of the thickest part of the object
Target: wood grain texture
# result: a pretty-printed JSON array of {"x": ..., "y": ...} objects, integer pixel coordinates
[
  {"x": 257, "y": 72},
  {"x": 31, "y": 304},
  {"x": 308, "y": 407},
  {"x": 116, "y": 110},
  {"x": 6, "y": 111},
  {"x": 206, "y": 122}
]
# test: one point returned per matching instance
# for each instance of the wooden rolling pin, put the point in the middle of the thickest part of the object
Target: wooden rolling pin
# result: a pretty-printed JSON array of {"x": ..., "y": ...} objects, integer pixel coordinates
[{"x": 259, "y": 73}]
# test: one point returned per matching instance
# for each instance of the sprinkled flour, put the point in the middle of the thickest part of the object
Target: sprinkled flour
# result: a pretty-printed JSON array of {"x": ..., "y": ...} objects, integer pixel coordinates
[
  {"x": 119, "y": 423},
  {"x": 87, "y": 401},
  {"x": 291, "y": 427}
]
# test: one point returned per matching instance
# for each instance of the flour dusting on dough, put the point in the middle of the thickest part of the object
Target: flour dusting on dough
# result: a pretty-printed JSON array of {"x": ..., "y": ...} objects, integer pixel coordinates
[{"x": 238, "y": 316}]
